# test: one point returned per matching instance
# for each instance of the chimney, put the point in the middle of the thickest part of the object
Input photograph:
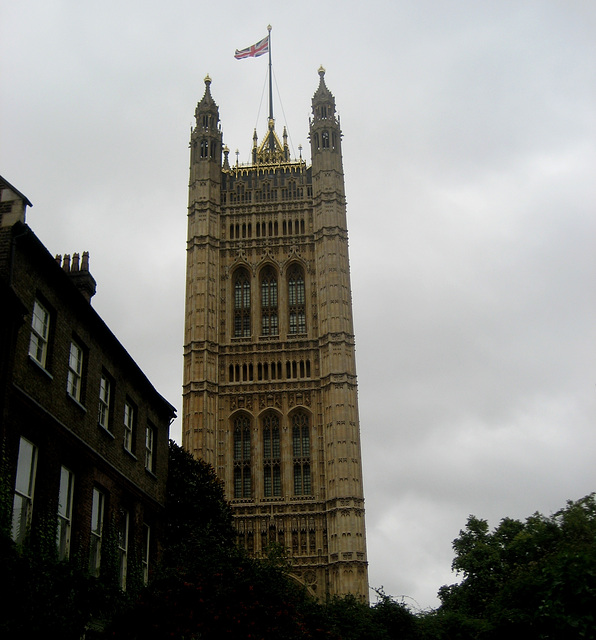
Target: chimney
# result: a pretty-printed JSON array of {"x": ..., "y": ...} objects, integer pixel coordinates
[{"x": 78, "y": 271}]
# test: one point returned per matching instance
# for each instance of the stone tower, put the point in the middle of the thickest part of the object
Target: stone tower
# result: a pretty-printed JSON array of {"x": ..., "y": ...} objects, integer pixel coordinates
[{"x": 270, "y": 394}]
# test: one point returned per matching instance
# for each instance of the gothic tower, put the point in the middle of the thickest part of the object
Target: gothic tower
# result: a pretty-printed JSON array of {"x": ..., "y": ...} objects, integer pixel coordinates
[{"x": 270, "y": 395}]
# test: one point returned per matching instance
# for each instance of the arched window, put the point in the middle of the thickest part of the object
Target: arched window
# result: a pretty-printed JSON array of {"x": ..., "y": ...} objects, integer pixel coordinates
[
  {"x": 269, "y": 323},
  {"x": 271, "y": 455},
  {"x": 301, "y": 453},
  {"x": 325, "y": 139},
  {"x": 204, "y": 149},
  {"x": 296, "y": 300},
  {"x": 241, "y": 304},
  {"x": 242, "y": 481}
]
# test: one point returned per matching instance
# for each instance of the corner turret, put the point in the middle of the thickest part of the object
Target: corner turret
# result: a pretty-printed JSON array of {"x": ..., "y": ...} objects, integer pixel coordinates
[
  {"x": 206, "y": 149},
  {"x": 325, "y": 132}
]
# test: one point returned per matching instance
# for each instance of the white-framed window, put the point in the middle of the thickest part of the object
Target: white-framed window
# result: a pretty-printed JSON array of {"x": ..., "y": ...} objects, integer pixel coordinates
[
  {"x": 97, "y": 518},
  {"x": 145, "y": 552},
  {"x": 22, "y": 507},
  {"x": 65, "y": 498},
  {"x": 129, "y": 421},
  {"x": 40, "y": 329},
  {"x": 123, "y": 546},
  {"x": 75, "y": 371},
  {"x": 149, "y": 448},
  {"x": 105, "y": 390}
]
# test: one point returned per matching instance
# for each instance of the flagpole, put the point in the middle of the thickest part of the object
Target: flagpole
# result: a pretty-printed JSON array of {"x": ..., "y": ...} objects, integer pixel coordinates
[{"x": 270, "y": 82}]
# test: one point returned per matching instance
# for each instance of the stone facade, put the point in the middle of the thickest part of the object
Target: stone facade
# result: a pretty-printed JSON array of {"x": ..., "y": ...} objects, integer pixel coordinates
[{"x": 270, "y": 393}]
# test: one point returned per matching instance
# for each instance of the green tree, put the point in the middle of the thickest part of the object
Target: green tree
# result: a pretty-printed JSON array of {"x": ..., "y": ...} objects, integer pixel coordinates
[
  {"x": 198, "y": 518},
  {"x": 207, "y": 586},
  {"x": 536, "y": 578}
]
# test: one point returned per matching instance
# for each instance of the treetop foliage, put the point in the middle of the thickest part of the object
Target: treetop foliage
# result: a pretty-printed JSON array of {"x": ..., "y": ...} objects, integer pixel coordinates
[{"x": 536, "y": 577}]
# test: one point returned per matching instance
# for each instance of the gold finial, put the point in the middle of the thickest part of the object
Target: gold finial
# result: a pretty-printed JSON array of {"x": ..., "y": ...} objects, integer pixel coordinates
[
  {"x": 207, "y": 80},
  {"x": 269, "y": 27},
  {"x": 321, "y": 71}
]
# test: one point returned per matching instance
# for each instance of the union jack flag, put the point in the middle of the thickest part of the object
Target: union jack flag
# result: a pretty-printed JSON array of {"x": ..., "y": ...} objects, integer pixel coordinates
[{"x": 255, "y": 51}]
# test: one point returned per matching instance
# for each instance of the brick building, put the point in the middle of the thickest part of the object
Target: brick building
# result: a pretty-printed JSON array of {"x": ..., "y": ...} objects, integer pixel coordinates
[{"x": 83, "y": 431}]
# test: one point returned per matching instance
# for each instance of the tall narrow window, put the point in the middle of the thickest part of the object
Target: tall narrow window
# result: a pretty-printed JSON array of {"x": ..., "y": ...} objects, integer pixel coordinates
[
  {"x": 269, "y": 324},
  {"x": 129, "y": 421},
  {"x": 65, "y": 498},
  {"x": 123, "y": 546},
  {"x": 150, "y": 448},
  {"x": 97, "y": 518},
  {"x": 301, "y": 453},
  {"x": 242, "y": 470},
  {"x": 241, "y": 304},
  {"x": 271, "y": 456},
  {"x": 296, "y": 300},
  {"x": 40, "y": 328},
  {"x": 105, "y": 390},
  {"x": 23, "y": 491},
  {"x": 145, "y": 552},
  {"x": 75, "y": 371}
]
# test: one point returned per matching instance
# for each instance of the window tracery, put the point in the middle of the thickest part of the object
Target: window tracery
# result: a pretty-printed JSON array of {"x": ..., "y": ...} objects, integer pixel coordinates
[
  {"x": 271, "y": 455},
  {"x": 242, "y": 457},
  {"x": 269, "y": 317},
  {"x": 296, "y": 300},
  {"x": 241, "y": 304},
  {"x": 301, "y": 453}
]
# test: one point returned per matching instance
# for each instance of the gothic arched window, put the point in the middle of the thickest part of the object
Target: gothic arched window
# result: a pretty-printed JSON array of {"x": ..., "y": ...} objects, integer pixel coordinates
[
  {"x": 269, "y": 322},
  {"x": 271, "y": 455},
  {"x": 242, "y": 471},
  {"x": 241, "y": 304},
  {"x": 301, "y": 453},
  {"x": 325, "y": 139},
  {"x": 296, "y": 301}
]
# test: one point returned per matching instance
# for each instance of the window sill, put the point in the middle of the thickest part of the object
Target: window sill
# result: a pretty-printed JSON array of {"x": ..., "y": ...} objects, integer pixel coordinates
[
  {"x": 150, "y": 473},
  {"x": 105, "y": 430},
  {"x": 79, "y": 405},
  {"x": 40, "y": 367},
  {"x": 128, "y": 452}
]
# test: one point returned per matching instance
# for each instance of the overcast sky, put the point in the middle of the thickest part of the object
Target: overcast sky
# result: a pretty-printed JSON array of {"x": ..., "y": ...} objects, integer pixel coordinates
[{"x": 470, "y": 159}]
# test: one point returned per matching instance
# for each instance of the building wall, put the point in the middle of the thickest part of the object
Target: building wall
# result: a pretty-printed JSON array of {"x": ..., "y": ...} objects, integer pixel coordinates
[
  {"x": 249, "y": 225},
  {"x": 36, "y": 404}
]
